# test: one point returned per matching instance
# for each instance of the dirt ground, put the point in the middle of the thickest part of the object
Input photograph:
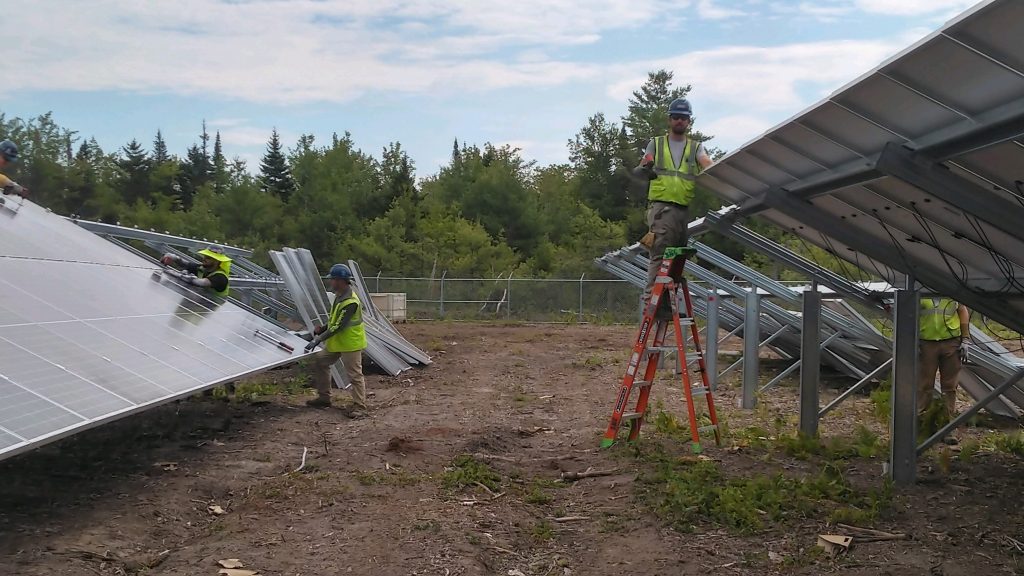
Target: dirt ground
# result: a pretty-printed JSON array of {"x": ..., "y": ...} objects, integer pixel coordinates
[{"x": 389, "y": 495}]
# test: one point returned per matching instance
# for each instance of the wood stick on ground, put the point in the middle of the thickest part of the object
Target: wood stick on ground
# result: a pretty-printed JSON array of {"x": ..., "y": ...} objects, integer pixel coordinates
[
  {"x": 571, "y": 519},
  {"x": 869, "y": 535},
  {"x": 588, "y": 473},
  {"x": 303, "y": 463}
]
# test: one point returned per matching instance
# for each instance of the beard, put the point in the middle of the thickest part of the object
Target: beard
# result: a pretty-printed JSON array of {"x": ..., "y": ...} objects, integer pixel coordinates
[{"x": 679, "y": 130}]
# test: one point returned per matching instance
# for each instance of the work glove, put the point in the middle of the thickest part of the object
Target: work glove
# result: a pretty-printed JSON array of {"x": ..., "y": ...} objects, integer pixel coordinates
[
  {"x": 312, "y": 344},
  {"x": 16, "y": 189},
  {"x": 319, "y": 330},
  {"x": 648, "y": 240},
  {"x": 964, "y": 353},
  {"x": 169, "y": 259}
]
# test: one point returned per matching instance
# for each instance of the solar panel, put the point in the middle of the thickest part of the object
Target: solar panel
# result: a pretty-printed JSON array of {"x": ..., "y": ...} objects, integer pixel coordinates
[
  {"x": 88, "y": 333},
  {"x": 915, "y": 166}
]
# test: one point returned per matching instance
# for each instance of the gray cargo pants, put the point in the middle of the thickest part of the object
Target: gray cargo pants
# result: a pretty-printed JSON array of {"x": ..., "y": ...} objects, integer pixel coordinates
[{"x": 667, "y": 221}]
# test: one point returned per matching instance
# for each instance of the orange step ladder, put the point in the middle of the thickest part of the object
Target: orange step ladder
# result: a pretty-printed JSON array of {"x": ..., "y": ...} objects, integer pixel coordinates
[{"x": 653, "y": 329}]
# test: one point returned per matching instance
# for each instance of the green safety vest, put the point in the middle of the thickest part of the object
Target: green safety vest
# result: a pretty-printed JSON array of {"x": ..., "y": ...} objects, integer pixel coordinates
[
  {"x": 674, "y": 183},
  {"x": 353, "y": 337},
  {"x": 224, "y": 270},
  {"x": 938, "y": 319}
]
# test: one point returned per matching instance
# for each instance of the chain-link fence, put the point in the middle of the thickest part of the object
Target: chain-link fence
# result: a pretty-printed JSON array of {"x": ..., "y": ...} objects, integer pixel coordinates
[{"x": 527, "y": 299}]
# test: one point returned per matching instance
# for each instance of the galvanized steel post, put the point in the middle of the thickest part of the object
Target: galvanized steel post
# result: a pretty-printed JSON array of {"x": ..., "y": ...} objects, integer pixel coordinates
[
  {"x": 810, "y": 360},
  {"x": 751, "y": 344},
  {"x": 711, "y": 340},
  {"x": 903, "y": 426},
  {"x": 582, "y": 276},
  {"x": 443, "y": 274}
]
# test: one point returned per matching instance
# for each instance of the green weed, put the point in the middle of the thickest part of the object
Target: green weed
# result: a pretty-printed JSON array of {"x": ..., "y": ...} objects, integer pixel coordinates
[
  {"x": 968, "y": 450},
  {"x": 686, "y": 493},
  {"x": 1006, "y": 443},
  {"x": 537, "y": 496},
  {"x": 543, "y": 531},
  {"x": 466, "y": 471},
  {"x": 881, "y": 401},
  {"x": 378, "y": 478}
]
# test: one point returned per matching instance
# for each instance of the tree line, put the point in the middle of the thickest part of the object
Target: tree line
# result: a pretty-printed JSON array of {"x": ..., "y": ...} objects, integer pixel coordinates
[{"x": 488, "y": 211}]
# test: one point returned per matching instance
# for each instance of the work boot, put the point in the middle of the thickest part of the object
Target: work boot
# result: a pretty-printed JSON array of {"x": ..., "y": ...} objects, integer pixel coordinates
[
  {"x": 356, "y": 412},
  {"x": 319, "y": 402}
]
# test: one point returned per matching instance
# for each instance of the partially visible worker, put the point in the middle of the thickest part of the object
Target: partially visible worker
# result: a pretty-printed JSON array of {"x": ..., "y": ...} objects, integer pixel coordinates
[
  {"x": 344, "y": 339},
  {"x": 212, "y": 272},
  {"x": 8, "y": 156},
  {"x": 942, "y": 345},
  {"x": 671, "y": 163}
]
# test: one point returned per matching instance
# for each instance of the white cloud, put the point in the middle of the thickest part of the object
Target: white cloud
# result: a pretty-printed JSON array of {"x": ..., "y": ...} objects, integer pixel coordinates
[
  {"x": 305, "y": 50},
  {"x": 752, "y": 78},
  {"x": 544, "y": 152},
  {"x": 249, "y": 136},
  {"x": 710, "y": 10},
  {"x": 732, "y": 131},
  {"x": 914, "y": 7}
]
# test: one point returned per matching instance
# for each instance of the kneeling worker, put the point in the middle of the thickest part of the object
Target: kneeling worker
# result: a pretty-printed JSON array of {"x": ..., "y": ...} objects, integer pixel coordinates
[
  {"x": 213, "y": 273},
  {"x": 344, "y": 339},
  {"x": 8, "y": 156}
]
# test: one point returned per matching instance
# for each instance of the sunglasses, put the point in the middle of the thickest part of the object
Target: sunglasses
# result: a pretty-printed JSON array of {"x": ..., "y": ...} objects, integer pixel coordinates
[{"x": 678, "y": 117}]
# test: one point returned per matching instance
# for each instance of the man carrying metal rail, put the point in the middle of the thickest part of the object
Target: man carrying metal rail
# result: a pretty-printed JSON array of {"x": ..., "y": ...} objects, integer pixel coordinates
[
  {"x": 671, "y": 163},
  {"x": 942, "y": 345},
  {"x": 344, "y": 339}
]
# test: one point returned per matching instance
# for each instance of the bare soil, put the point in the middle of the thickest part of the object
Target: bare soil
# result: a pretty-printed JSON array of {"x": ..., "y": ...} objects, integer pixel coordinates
[{"x": 532, "y": 402}]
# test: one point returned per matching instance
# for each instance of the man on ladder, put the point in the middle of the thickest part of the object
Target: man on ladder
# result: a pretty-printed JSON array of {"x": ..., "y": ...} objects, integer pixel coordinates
[
  {"x": 671, "y": 163},
  {"x": 650, "y": 344}
]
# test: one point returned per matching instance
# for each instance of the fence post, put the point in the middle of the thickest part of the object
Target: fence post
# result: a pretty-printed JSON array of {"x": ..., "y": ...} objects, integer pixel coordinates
[
  {"x": 378, "y": 282},
  {"x": 508, "y": 298},
  {"x": 443, "y": 274},
  {"x": 580, "y": 320}
]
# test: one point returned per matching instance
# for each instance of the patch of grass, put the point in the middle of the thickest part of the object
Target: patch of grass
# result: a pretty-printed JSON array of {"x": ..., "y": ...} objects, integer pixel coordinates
[
  {"x": 611, "y": 523},
  {"x": 432, "y": 526},
  {"x": 256, "y": 388},
  {"x": 807, "y": 557},
  {"x": 968, "y": 450},
  {"x": 378, "y": 478},
  {"x": 543, "y": 531},
  {"x": 473, "y": 540},
  {"x": 1006, "y": 443},
  {"x": 537, "y": 496},
  {"x": 933, "y": 419},
  {"x": 881, "y": 401},
  {"x": 864, "y": 444},
  {"x": 466, "y": 471},
  {"x": 686, "y": 493}
]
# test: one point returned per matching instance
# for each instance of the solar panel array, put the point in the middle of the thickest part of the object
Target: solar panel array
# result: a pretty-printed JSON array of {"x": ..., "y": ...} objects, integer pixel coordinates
[
  {"x": 88, "y": 333},
  {"x": 916, "y": 167}
]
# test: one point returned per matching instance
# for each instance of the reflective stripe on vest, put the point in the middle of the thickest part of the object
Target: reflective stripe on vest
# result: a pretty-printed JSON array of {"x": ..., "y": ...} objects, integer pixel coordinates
[
  {"x": 938, "y": 319},
  {"x": 674, "y": 183},
  {"x": 353, "y": 337}
]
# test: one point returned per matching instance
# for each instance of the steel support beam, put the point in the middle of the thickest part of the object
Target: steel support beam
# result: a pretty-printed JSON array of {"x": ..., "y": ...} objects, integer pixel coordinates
[
  {"x": 853, "y": 389},
  {"x": 711, "y": 340},
  {"x": 925, "y": 173},
  {"x": 146, "y": 235},
  {"x": 751, "y": 362},
  {"x": 970, "y": 412},
  {"x": 927, "y": 274},
  {"x": 903, "y": 425},
  {"x": 810, "y": 361}
]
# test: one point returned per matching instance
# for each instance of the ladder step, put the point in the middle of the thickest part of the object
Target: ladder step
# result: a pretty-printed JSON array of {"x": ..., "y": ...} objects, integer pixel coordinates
[
  {"x": 630, "y": 416},
  {"x": 698, "y": 391}
]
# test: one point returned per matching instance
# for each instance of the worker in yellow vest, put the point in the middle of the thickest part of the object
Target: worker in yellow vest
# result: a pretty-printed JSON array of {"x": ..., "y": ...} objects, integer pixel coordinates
[
  {"x": 344, "y": 339},
  {"x": 8, "y": 156},
  {"x": 671, "y": 164},
  {"x": 213, "y": 272},
  {"x": 944, "y": 329}
]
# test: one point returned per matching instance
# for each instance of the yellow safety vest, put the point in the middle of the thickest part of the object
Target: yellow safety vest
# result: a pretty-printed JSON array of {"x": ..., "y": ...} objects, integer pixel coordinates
[
  {"x": 939, "y": 319},
  {"x": 353, "y": 337},
  {"x": 674, "y": 183},
  {"x": 224, "y": 270}
]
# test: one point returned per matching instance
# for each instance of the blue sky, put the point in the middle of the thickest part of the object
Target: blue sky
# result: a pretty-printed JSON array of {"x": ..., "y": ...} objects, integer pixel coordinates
[{"x": 424, "y": 72}]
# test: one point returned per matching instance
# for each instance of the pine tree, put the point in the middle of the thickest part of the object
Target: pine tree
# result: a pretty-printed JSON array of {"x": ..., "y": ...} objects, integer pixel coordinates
[
  {"x": 220, "y": 174},
  {"x": 137, "y": 168},
  {"x": 160, "y": 154},
  {"x": 646, "y": 115},
  {"x": 275, "y": 176}
]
